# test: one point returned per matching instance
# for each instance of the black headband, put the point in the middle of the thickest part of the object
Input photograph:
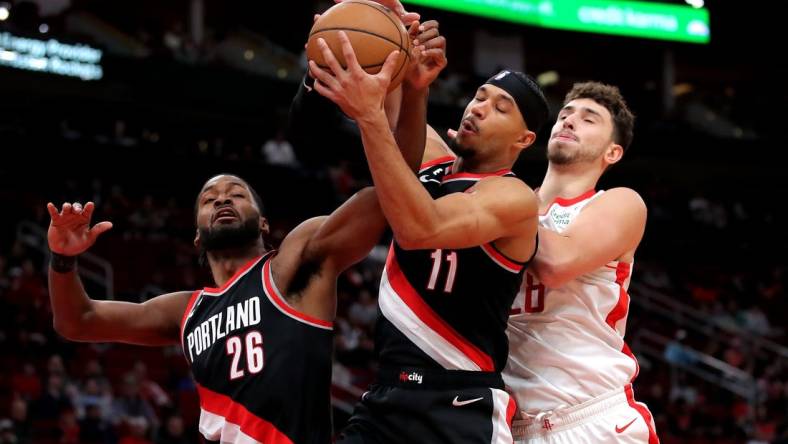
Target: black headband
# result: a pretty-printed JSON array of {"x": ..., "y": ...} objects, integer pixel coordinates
[{"x": 526, "y": 94}]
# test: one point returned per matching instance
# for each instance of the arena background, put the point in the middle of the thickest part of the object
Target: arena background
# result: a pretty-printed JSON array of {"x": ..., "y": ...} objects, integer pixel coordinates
[{"x": 185, "y": 89}]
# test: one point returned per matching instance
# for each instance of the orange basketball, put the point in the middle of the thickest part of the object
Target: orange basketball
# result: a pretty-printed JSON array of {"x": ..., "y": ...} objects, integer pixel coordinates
[{"x": 374, "y": 32}]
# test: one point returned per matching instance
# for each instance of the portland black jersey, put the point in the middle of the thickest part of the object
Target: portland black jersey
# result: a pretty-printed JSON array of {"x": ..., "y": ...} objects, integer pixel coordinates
[
  {"x": 263, "y": 370},
  {"x": 447, "y": 309}
]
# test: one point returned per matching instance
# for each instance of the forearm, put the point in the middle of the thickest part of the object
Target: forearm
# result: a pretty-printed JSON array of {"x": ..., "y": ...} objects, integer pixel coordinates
[
  {"x": 349, "y": 233},
  {"x": 408, "y": 207},
  {"x": 411, "y": 132},
  {"x": 70, "y": 302}
]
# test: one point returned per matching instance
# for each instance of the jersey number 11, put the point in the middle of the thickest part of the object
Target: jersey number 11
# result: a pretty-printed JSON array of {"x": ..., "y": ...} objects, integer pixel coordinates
[{"x": 437, "y": 262}]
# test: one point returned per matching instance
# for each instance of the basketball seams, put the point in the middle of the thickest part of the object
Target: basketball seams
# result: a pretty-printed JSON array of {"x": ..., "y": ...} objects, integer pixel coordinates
[
  {"x": 385, "y": 12},
  {"x": 363, "y": 31},
  {"x": 400, "y": 46},
  {"x": 325, "y": 67},
  {"x": 373, "y": 65}
]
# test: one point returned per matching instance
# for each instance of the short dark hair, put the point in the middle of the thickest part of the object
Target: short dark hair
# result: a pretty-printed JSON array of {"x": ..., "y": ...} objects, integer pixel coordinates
[{"x": 610, "y": 97}]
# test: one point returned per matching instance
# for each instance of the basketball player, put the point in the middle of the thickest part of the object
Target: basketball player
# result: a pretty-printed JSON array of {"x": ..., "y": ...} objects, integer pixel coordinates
[
  {"x": 569, "y": 366},
  {"x": 259, "y": 344},
  {"x": 464, "y": 231}
]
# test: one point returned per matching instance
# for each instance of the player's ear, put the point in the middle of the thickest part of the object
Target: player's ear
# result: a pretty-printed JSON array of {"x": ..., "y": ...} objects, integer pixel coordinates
[
  {"x": 613, "y": 153},
  {"x": 526, "y": 139}
]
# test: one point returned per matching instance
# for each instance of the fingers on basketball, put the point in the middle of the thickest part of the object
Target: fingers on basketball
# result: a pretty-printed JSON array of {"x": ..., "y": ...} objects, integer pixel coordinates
[
  {"x": 390, "y": 65},
  {"x": 349, "y": 53},
  {"x": 328, "y": 57}
]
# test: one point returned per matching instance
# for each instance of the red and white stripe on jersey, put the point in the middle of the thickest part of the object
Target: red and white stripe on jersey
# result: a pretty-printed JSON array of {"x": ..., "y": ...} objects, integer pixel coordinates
[
  {"x": 569, "y": 347},
  {"x": 474, "y": 176},
  {"x": 619, "y": 312},
  {"x": 438, "y": 161},
  {"x": 644, "y": 412},
  {"x": 238, "y": 274},
  {"x": 186, "y": 315},
  {"x": 504, "y": 409},
  {"x": 402, "y": 305},
  {"x": 279, "y": 302},
  {"x": 621, "y": 309},
  {"x": 505, "y": 263},
  {"x": 562, "y": 202},
  {"x": 222, "y": 419}
]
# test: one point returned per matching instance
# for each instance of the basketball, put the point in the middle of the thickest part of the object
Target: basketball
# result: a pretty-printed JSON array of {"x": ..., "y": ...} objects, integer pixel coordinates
[{"x": 374, "y": 32}]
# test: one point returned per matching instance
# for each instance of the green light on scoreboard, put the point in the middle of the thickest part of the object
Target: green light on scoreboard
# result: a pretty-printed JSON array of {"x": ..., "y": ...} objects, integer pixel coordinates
[{"x": 626, "y": 18}]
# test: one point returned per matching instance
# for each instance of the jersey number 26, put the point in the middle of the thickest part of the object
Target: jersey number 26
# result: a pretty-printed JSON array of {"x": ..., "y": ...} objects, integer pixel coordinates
[
  {"x": 533, "y": 296},
  {"x": 253, "y": 345}
]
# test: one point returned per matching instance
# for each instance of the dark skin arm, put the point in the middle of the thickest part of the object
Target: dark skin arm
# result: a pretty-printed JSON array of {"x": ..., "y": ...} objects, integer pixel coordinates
[
  {"x": 328, "y": 245},
  {"x": 78, "y": 317}
]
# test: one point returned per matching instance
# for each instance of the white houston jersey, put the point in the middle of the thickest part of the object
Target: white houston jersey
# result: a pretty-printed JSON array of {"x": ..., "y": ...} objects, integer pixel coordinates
[{"x": 566, "y": 344}]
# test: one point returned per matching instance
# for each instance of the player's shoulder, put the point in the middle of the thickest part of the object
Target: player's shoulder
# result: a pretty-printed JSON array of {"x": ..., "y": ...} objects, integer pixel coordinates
[
  {"x": 174, "y": 298},
  {"x": 507, "y": 184},
  {"x": 510, "y": 194},
  {"x": 619, "y": 204},
  {"x": 299, "y": 236},
  {"x": 294, "y": 252},
  {"x": 622, "y": 196}
]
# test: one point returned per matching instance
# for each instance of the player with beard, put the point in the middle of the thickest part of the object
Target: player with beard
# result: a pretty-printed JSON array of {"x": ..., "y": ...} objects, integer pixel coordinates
[
  {"x": 569, "y": 366},
  {"x": 260, "y": 343},
  {"x": 464, "y": 232}
]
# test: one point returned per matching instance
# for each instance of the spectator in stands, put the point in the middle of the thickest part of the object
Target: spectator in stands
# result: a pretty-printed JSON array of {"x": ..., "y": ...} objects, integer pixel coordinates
[
  {"x": 27, "y": 383},
  {"x": 93, "y": 428},
  {"x": 92, "y": 395},
  {"x": 131, "y": 405},
  {"x": 150, "y": 390},
  {"x": 20, "y": 422},
  {"x": 69, "y": 427},
  {"x": 364, "y": 311},
  {"x": 279, "y": 152},
  {"x": 137, "y": 432},
  {"x": 7, "y": 435},
  {"x": 53, "y": 401},
  {"x": 174, "y": 432}
]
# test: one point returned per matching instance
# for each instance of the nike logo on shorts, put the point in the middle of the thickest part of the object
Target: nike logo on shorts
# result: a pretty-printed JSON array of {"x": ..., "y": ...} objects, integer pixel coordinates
[
  {"x": 621, "y": 429},
  {"x": 457, "y": 403}
]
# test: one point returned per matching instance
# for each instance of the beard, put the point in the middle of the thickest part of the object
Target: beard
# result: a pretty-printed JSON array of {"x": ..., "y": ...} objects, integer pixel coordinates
[
  {"x": 558, "y": 156},
  {"x": 461, "y": 150},
  {"x": 227, "y": 237}
]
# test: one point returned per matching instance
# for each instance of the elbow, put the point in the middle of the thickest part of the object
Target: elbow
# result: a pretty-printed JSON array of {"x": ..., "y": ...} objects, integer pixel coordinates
[
  {"x": 64, "y": 329},
  {"x": 67, "y": 330},
  {"x": 548, "y": 276},
  {"x": 551, "y": 274},
  {"x": 414, "y": 239},
  {"x": 418, "y": 233},
  {"x": 409, "y": 244}
]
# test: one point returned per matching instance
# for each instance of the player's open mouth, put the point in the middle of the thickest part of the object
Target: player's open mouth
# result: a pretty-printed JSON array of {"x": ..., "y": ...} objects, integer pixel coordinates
[
  {"x": 468, "y": 127},
  {"x": 225, "y": 215}
]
